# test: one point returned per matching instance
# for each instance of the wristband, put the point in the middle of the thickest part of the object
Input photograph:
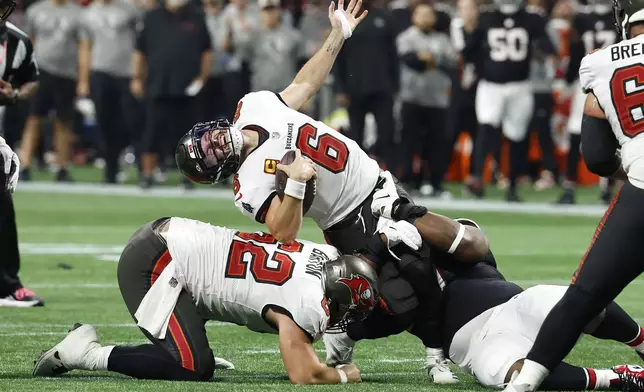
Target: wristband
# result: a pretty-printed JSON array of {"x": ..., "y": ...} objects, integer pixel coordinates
[
  {"x": 295, "y": 189},
  {"x": 457, "y": 240},
  {"x": 344, "y": 23},
  {"x": 343, "y": 376}
]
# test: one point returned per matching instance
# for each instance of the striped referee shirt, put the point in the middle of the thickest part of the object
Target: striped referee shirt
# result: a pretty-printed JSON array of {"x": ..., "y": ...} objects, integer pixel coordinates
[{"x": 17, "y": 62}]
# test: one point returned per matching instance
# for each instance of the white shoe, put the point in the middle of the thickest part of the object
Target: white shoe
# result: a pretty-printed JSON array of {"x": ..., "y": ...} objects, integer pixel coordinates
[
  {"x": 223, "y": 364},
  {"x": 71, "y": 353},
  {"x": 442, "y": 374},
  {"x": 339, "y": 348},
  {"x": 438, "y": 367},
  {"x": 384, "y": 198}
]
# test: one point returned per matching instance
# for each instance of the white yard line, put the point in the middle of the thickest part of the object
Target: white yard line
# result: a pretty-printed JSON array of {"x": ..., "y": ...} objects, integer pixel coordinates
[
  {"x": 226, "y": 194},
  {"x": 210, "y": 324}
]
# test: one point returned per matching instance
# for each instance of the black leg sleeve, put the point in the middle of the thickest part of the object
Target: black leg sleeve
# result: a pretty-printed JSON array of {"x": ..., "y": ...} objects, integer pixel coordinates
[
  {"x": 572, "y": 160},
  {"x": 149, "y": 362},
  {"x": 617, "y": 325},
  {"x": 566, "y": 377}
]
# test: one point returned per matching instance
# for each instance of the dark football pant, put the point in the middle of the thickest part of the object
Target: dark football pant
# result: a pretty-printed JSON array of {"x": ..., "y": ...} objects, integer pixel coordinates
[
  {"x": 382, "y": 108},
  {"x": 612, "y": 261},
  {"x": 184, "y": 354},
  {"x": 10, "y": 257},
  {"x": 543, "y": 104},
  {"x": 424, "y": 134}
]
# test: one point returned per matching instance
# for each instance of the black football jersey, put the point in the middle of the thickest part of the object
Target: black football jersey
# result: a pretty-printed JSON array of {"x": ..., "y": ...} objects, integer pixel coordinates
[
  {"x": 591, "y": 31},
  {"x": 504, "y": 45}
]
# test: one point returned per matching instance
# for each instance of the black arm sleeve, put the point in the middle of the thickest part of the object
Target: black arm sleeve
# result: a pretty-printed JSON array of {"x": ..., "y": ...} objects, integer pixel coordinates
[
  {"x": 412, "y": 61},
  {"x": 576, "y": 54},
  {"x": 598, "y": 146}
]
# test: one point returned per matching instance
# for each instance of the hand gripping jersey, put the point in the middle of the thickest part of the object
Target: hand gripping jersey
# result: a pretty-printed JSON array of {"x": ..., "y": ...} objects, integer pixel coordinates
[
  {"x": 234, "y": 276},
  {"x": 616, "y": 76},
  {"x": 346, "y": 174}
]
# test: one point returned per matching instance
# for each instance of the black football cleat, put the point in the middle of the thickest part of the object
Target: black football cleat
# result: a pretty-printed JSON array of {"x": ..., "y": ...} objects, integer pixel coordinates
[
  {"x": 631, "y": 377},
  {"x": 566, "y": 198}
]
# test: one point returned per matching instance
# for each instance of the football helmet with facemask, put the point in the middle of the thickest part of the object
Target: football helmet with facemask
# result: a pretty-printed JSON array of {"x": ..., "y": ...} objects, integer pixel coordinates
[
  {"x": 6, "y": 8},
  {"x": 210, "y": 152},
  {"x": 350, "y": 286},
  {"x": 627, "y": 12}
]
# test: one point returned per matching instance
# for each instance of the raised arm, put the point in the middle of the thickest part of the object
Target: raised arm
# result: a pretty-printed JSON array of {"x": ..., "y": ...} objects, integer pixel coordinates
[{"x": 312, "y": 75}]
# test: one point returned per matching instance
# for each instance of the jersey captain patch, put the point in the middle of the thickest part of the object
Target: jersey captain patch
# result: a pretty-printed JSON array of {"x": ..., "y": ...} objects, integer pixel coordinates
[{"x": 270, "y": 166}]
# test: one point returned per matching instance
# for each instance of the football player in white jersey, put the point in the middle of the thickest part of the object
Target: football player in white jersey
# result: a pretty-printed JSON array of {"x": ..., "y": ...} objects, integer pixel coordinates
[
  {"x": 613, "y": 78},
  {"x": 176, "y": 273},
  {"x": 266, "y": 125}
]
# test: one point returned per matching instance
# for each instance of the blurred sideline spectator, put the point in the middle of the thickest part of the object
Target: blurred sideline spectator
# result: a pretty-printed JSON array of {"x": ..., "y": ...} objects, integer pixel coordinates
[
  {"x": 54, "y": 27},
  {"x": 428, "y": 59},
  {"x": 543, "y": 75},
  {"x": 367, "y": 76},
  {"x": 171, "y": 65},
  {"x": 241, "y": 19},
  {"x": 213, "y": 96},
  {"x": 107, "y": 43},
  {"x": 401, "y": 13},
  {"x": 275, "y": 51},
  {"x": 461, "y": 113}
]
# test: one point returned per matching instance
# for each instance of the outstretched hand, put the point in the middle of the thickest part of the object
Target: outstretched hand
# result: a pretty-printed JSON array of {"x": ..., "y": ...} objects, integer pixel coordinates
[{"x": 351, "y": 13}]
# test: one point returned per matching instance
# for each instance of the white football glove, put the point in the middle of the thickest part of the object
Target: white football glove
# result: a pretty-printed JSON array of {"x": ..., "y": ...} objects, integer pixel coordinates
[
  {"x": 9, "y": 157},
  {"x": 223, "y": 364},
  {"x": 385, "y": 197},
  {"x": 397, "y": 232}
]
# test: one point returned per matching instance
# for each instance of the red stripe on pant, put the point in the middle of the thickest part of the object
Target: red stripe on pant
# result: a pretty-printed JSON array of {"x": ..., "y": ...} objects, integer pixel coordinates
[
  {"x": 179, "y": 338},
  {"x": 597, "y": 232}
]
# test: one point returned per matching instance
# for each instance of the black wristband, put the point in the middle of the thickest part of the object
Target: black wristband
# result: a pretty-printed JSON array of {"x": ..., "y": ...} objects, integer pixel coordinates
[{"x": 408, "y": 212}]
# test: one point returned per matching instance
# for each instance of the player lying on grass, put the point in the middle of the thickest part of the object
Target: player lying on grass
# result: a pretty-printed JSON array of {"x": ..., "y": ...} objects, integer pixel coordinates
[
  {"x": 175, "y": 274},
  {"x": 266, "y": 125},
  {"x": 489, "y": 325}
]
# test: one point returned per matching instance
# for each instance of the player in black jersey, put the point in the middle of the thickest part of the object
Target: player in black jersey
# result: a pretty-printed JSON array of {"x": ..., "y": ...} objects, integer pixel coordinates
[
  {"x": 592, "y": 29},
  {"x": 503, "y": 43}
]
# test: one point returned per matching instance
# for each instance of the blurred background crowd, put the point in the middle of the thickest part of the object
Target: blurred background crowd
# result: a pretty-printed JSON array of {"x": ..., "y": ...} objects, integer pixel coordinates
[{"x": 114, "y": 75}]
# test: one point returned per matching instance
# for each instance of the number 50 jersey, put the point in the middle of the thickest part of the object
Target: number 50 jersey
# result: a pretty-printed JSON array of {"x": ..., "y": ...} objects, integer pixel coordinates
[
  {"x": 346, "y": 174},
  {"x": 616, "y": 76}
]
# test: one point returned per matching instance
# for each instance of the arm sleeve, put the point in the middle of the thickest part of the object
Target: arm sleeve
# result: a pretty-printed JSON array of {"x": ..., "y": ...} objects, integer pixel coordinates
[
  {"x": 28, "y": 70},
  {"x": 599, "y": 146},
  {"x": 407, "y": 54}
]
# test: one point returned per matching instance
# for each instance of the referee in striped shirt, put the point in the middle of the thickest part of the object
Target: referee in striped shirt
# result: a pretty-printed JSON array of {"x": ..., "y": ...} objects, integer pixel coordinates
[{"x": 18, "y": 81}]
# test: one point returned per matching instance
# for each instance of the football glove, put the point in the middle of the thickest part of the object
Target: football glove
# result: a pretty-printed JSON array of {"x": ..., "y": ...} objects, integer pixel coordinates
[
  {"x": 397, "y": 232},
  {"x": 11, "y": 166}
]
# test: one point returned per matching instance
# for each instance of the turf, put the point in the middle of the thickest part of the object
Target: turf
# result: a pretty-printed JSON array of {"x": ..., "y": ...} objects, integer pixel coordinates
[{"x": 69, "y": 244}]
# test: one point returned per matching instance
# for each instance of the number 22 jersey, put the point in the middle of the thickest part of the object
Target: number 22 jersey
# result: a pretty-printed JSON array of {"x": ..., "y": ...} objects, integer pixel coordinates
[
  {"x": 616, "y": 77},
  {"x": 346, "y": 174}
]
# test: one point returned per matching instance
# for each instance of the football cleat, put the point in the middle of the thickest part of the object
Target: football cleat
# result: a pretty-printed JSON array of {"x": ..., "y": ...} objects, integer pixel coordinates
[
  {"x": 22, "y": 298},
  {"x": 223, "y": 364},
  {"x": 442, "y": 374},
  {"x": 71, "y": 353},
  {"x": 631, "y": 377},
  {"x": 339, "y": 348}
]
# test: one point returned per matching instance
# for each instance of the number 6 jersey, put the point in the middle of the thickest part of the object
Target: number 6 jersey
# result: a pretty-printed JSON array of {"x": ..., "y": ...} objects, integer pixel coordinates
[
  {"x": 616, "y": 76},
  {"x": 346, "y": 174}
]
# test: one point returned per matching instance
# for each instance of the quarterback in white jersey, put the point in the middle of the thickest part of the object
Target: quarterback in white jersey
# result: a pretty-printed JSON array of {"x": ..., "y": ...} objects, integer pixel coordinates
[
  {"x": 175, "y": 274},
  {"x": 613, "y": 78}
]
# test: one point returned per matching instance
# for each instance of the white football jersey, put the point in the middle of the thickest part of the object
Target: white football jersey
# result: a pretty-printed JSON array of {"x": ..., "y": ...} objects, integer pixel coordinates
[
  {"x": 615, "y": 75},
  {"x": 346, "y": 174},
  {"x": 234, "y": 276}
]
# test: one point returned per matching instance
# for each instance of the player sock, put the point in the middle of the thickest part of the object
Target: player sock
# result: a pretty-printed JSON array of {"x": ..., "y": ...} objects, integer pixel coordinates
[
  {"x": 601, "y": 379},
  {"x": 97, "y": 358},
  {"x": 619, "y": 326},
  {"x": 517, "y": 156},
  {"x": 638, "y": 342},
  {"x": 532, "y": 374},
  {"x": 481, "y": 149}
]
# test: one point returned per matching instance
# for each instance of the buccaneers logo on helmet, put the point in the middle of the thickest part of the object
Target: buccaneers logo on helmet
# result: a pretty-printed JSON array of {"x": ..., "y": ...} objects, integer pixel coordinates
[{"x": 362, "y": 295}]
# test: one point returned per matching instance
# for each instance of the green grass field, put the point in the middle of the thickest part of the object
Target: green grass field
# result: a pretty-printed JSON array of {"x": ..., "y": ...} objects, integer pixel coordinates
[{"x": 70, "y": 244}]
